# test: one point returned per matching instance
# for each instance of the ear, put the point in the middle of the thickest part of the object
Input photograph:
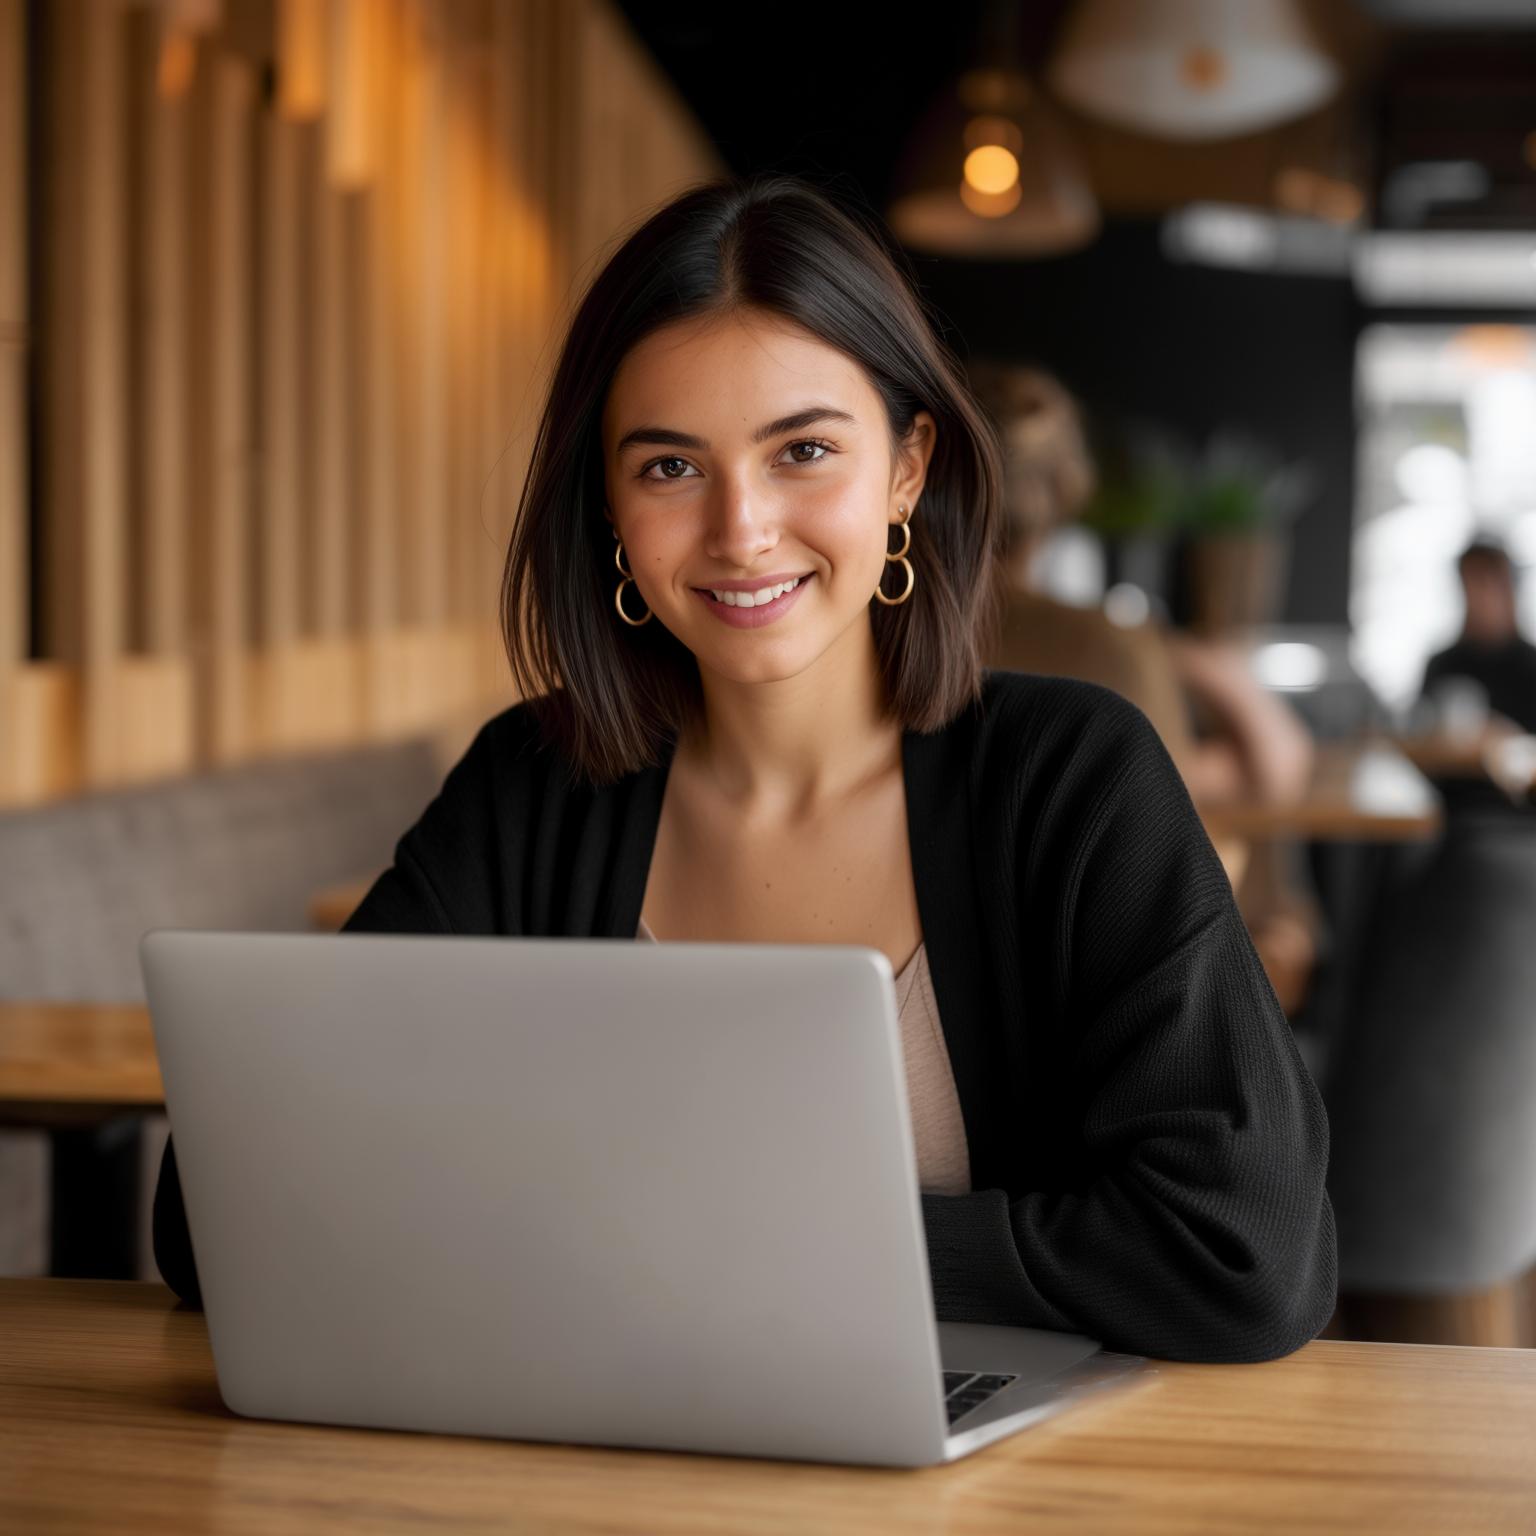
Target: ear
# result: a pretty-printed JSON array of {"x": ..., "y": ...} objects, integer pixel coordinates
[{"x": 913, "y": 455}]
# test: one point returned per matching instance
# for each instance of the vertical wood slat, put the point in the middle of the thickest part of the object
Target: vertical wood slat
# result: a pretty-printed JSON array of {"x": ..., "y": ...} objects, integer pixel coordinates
[
  {"x": 84, "y": 411},
  {"x": 466, "y": 257},
  {"x": 399, "y": 186},
  {"x": 481, "y": 534},
  {"x": 377, "y": 529},
  {"x": 15, "y": 600},
  {"x": 521, "y": 239},
  {"x": 162, "y": 233},
  {"x": 490, "y": 400},
  {"x": 301, "y": 27},
  {"x": 351, "y": 91},
  {"x": 223, "y": 100},
  {"x": 431, "y": 300},
  {"x": 331, "y": 485},
  {"x": 539, "y": 273},
  {"x": 570, "y": 20},
  {"x": 282, "y": 487}
]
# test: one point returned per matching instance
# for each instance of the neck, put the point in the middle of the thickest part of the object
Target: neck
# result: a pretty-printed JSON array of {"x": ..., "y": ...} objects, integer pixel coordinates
[
  {"x": 1489, "y": 636},
  {"x": 787, "y": 746}
]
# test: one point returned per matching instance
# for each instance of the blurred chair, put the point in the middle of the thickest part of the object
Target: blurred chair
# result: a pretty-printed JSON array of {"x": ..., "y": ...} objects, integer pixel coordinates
[
  {"x": 244, "y": 848},
  {"x": 1431, "y": 1092}
]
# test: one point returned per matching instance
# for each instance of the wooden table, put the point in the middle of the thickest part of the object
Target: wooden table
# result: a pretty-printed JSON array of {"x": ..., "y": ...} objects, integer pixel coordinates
[
  {"x": 331, "y": 907},
  {"x": 87, "y": 1074},
  {"x": 110, "y": 1418},
  {"x": 75, "y": 1062},
  {"x": 1360, "y": 792}
]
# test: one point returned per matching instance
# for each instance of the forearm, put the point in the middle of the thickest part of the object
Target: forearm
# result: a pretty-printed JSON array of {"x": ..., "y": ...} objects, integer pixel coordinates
[{"x": 1136, "y": 1263}]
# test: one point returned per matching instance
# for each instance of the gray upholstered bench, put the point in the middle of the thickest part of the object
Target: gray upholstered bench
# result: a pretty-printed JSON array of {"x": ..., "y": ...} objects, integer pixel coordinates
[{"x": 243, "y": 848}]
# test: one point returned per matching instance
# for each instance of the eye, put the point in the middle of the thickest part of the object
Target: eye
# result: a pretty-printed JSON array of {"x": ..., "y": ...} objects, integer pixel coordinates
[
  {"x": 669, "y": 470},
  {"x": 822, "y": 450}
]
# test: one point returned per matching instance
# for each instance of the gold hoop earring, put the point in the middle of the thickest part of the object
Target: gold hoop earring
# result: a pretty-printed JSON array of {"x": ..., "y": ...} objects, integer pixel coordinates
[
  {"x": 900, "y": 558},
  {"x": 618, "y": 591}
]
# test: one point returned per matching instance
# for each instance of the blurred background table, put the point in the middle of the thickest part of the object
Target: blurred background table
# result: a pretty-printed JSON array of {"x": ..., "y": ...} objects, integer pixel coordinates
[
  {"x": 110, "y": 1414},
  {"x": 85, "y": 1073},
  {"x": 1361, "y": 791},
  {"x": 331, "y": 907},
  {"x": 67, "y": 1063}
]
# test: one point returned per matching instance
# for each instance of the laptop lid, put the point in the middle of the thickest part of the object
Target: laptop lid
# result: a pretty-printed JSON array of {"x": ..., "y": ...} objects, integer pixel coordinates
[{"x": 580, "y": 1190}]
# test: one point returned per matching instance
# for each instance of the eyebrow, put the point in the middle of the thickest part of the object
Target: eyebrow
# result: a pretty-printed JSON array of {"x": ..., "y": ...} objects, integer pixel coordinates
[{"x": 669, "y": 437}]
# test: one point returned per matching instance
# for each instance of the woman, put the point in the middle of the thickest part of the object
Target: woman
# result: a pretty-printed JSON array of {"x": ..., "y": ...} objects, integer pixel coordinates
[{"x": 745, "y": 600}]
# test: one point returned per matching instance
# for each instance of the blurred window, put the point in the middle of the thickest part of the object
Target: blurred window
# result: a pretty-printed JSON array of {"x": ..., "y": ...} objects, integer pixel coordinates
[{"x": 1447, "y": 448}]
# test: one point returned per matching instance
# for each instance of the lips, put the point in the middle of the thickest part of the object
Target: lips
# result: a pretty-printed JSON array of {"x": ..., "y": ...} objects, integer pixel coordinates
[
  {"x": 741, "y": 595},
  {"x": 743, "y": 616}
]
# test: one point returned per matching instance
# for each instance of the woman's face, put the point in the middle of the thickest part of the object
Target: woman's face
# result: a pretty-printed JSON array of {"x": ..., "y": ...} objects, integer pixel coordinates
[{"x": 741, "y": 453}]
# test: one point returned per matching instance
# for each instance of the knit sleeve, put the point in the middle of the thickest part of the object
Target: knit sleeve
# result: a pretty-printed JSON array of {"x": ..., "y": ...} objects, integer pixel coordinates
[{"x": 1204, "y": 1231}]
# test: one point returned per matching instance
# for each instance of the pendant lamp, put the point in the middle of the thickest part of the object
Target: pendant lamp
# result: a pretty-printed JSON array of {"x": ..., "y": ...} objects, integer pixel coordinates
[
  {"x": 992, "y": 172},
  {"x": 1191, "y": 69}
]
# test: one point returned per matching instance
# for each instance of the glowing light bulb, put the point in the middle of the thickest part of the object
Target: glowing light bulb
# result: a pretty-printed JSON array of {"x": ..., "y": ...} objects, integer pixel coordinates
[{"x": 991, "y": 169}]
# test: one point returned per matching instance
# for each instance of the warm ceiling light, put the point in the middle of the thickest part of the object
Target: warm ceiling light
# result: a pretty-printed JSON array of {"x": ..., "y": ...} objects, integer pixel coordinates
[
  {"x": 1191, "y": 69},
  {"x": 994, "y": 130},
  {"x": 991, "y": 170},
  {"x": 1204, "y": 69},
  {"x": 990, "y": 205}
]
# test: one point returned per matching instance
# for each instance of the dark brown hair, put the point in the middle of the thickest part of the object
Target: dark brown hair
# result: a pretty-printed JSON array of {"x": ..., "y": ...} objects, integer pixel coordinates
[
  {"x": 609, "y": 696},
  {"x": 1488, "y": 553}
]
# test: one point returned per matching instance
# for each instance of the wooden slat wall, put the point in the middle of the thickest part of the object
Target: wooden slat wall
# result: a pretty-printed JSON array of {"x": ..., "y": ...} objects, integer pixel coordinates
[
  {"x": 15, "y": 609},
  {"x": 289, "y": 356}
]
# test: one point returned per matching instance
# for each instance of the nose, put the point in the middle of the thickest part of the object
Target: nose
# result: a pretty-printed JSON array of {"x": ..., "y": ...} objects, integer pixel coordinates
[{"x": 742, "y": 526}]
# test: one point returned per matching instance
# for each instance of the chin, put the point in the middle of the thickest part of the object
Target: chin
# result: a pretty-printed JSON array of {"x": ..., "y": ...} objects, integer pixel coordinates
[{"x": 769, "y": 664}]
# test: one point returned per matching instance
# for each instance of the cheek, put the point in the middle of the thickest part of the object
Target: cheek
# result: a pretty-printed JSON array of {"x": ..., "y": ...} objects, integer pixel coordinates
[
  {"x": 844, "y": 526},
  {"x": 656, "y": 546}
]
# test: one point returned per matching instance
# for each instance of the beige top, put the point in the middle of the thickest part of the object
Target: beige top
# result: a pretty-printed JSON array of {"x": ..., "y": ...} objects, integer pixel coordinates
[{"x": 943, "y": 1159}]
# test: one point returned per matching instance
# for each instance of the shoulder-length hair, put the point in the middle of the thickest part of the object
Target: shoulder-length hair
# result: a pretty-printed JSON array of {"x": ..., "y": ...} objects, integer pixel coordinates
[{"x": 608, "y": 695}]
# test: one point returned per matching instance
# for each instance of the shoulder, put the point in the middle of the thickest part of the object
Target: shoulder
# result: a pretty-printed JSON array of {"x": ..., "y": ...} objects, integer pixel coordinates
[
  {"x": 1051, "y": 749},
  {"x": 517, "y": 743},
  {"x": 1057, "y": 714}
]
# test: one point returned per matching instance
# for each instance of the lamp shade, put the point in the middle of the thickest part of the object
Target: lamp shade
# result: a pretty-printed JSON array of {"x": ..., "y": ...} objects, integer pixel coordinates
[
  {"x": 1190, "y": 69},
  {"x": 992, "y": 173}
]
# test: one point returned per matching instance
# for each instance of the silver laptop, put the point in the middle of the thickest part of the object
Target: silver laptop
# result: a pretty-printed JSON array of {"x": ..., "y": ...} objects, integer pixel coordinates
[{"x": 590, "y": 1191}]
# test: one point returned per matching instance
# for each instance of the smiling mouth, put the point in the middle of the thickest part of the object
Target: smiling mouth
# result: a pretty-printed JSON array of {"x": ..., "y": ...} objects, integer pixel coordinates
[{"x": 759, "y": 598}]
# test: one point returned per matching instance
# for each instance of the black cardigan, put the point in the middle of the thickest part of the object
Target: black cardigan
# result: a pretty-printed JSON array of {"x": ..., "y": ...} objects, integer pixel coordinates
[{"x": 1147, "y": 1149}]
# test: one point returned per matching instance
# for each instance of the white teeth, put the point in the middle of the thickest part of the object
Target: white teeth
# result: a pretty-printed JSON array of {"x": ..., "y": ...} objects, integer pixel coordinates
[{"x": 754, "y": 599}]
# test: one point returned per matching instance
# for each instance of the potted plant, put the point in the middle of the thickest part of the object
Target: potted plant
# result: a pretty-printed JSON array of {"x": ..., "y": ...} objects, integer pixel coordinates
[
  {"x": 1225, "y": 506},
  {"x": 1239, "y": 500}
]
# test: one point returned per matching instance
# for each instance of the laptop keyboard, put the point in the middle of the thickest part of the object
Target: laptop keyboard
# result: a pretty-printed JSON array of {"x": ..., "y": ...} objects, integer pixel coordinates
[{"x": 965, "y": 1390}]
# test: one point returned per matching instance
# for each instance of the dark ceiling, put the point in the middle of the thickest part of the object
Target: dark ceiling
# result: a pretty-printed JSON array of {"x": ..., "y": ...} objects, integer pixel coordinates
[{"x": 834, "y": 93}]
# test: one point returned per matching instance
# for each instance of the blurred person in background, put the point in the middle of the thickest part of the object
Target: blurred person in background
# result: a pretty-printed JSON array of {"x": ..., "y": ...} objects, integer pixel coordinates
[
  {"x": 1490, "y": 650},
  {"x": 1481, "y": 689},
  {"x": 1432, "y": 1086},
  {"x": 1251, "y": 744},
  {"x": 1254, "y": 746}
]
